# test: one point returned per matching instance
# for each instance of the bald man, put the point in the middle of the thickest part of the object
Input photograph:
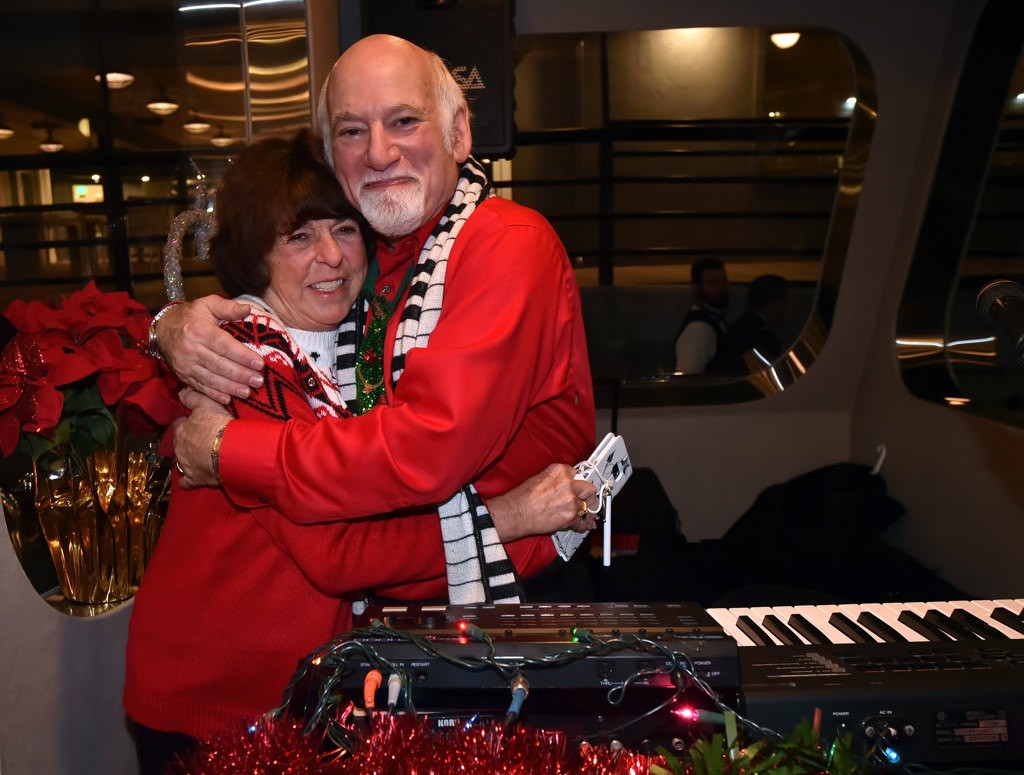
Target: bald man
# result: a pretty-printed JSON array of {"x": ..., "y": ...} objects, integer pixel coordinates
[{"x": 482, "y": 373}]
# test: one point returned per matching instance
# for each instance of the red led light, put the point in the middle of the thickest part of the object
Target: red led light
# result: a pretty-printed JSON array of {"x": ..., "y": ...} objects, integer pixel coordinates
[
  {"x": 462, "y": 626},
  {"x": 686, "y": 712}
]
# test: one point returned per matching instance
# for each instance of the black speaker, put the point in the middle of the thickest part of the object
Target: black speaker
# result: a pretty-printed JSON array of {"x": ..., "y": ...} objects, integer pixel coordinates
[{"x": 474, "y": 38}]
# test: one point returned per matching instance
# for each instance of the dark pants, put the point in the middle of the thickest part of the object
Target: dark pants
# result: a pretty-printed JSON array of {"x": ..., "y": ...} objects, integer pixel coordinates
[{"x": 156, "y": 750}]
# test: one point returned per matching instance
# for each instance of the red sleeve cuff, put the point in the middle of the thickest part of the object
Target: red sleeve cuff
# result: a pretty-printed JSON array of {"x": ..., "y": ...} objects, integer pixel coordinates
[{"x": 249, "y": 461}]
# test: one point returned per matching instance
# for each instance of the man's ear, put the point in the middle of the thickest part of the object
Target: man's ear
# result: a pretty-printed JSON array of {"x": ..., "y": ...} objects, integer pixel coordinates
[{"x": 463, "y": 140}]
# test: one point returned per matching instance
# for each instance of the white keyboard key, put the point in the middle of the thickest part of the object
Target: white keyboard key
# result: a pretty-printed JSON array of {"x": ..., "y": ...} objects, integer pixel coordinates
[
  {"x": 983, "y": 610},
  {"x": 852, "y": 612},
  {"x": 818, "y": 616},
  {"x": 784, "y": 612},
  {"x": 757, "y": 614},
  {"x": 890, "y": 617},
  {"x": 727, "y": 619}
]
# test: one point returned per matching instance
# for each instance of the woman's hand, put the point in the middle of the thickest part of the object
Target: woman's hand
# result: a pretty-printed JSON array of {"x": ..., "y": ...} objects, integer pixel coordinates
[{"x": 550, "y": 501}]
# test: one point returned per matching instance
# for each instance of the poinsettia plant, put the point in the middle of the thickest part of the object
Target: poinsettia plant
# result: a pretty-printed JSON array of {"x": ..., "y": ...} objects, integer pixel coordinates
[{"x": 73, "y": 370}]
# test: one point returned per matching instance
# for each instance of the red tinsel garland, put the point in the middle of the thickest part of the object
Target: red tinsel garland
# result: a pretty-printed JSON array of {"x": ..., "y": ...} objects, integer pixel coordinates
[{"x": 408, "y": 745}]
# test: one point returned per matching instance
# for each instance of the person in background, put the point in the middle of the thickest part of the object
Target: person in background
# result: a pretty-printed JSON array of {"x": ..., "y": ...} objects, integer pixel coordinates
[
  {"x": 752, "y": 340},
  {"x": 701, "y": 333},
  {"x": 233, "y": 598},
  {"x": 475, "y": 347}
]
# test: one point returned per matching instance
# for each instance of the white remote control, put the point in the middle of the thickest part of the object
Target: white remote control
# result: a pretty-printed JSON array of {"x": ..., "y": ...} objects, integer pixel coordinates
[{"x": 607, "y": 468}]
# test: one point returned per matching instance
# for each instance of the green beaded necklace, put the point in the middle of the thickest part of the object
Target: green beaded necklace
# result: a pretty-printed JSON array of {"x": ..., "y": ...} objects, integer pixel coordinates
[{"x": 370, "y": 390}]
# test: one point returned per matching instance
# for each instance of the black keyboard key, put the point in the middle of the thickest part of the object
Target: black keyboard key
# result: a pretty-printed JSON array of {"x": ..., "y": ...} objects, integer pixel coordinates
[
  {"x": 845, "y": 625},
  {"x": 871, "y": 622},
  {"x": 786, "y": 636},
  {"x": 749, "y": 628},
  {"x": 1008, "y": 618},
  {"x": 810, "y": 633},
  {"x": 976, "y": 625},
  {"x": 954, "y": 630},
  {"x": 920, "y": 626}
]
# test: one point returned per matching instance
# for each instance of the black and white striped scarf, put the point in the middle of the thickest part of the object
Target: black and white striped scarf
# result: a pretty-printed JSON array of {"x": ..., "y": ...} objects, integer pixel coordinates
[{"x": 479, "y": 570}]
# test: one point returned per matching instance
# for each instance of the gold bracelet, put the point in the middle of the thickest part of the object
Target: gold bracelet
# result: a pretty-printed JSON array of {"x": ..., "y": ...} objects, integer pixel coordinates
[{"x": 215, "y": 451}]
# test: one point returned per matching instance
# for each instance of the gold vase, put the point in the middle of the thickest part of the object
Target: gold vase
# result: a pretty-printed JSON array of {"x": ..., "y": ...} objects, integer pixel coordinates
[{"x": 101, "y": 515}]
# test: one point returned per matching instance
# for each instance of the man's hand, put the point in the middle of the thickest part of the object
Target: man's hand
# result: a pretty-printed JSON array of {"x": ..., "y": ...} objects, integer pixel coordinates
[
  {"x": 544, "y": 504},
  {"x": 203, "y": 356},
  {"x": 193, "y": 440}
]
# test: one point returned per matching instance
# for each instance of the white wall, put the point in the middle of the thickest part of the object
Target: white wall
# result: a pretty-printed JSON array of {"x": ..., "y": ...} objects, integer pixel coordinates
[{"x": 61, "y": 680}]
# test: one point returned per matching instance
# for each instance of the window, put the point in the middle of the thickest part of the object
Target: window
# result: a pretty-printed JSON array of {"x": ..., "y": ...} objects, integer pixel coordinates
[{"x": 649, "y": 150}]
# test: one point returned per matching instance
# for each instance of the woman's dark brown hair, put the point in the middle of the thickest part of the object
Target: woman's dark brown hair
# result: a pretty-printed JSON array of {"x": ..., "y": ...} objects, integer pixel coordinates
[{"x": 274, "y": 186}]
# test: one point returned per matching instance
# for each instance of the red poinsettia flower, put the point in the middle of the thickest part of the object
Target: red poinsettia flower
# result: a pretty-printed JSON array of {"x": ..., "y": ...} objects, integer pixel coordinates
[
  {"x": 86, "y": 344},
  {"x": 90, "y": 311},
  {"x": 28, "y": 400}
]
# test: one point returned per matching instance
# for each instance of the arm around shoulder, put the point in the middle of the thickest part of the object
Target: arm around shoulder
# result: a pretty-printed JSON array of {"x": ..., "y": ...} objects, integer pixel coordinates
[{"x": 203, "y": 356}]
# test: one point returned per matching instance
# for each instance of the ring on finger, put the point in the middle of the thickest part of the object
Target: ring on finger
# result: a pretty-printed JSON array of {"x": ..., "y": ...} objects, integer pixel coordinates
[
  {"x": 581, "y": 512},
  {"x": 180, "y": 469}
]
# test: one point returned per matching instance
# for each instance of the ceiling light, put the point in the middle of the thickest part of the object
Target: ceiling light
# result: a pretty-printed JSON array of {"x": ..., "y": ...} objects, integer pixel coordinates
[
  {"x": 785, "y": 39},
  {"x": 220, "y": 139},
  {"x": 50, "y": 144},
  {"x": 5, "y": 131},
  {"x": 162, "y": 105},
  {"x": 117, "y": 80},
  {"x": 144, "y": 178},
  {"x": 196, "y": 125},
  {"x": 95, "y": 178}
]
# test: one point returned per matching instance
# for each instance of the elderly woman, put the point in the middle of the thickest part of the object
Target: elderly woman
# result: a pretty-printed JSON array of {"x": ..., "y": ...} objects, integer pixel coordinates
[{"x": 233, "y": 598}]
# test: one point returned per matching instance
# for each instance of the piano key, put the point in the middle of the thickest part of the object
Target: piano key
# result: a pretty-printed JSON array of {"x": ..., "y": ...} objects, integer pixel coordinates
[
  {"x": 818, "y": 616},
  {"x": 873, "y": 623},
  {"x": 806, "y": 630},
  {"x": 932, "y": 621},
  {"x": 852, "y": 611},
  {"x": 786, "y": 614},
  {"x": 954, "y": 629},
  {"x": 755, "y": 617},
  {"x": 1008, "y": 619},
  {"x": 889, "y": 613},
  {"x": 1013, "y": 605},
  {"x": 986, "y": 609},
  {"x": 776, "y": 627},
  {"x": 727, "y": 619},
  {"x": 750, "y": 628},
  {"x": 844, "y": 624},
  {"x": 949, "y": 608},
  {"x": 758, "y": 614},
  {"x": 922, "y": 609},
  {"x": 976, "y": 625},
  {"x": 927, "y": 630}
]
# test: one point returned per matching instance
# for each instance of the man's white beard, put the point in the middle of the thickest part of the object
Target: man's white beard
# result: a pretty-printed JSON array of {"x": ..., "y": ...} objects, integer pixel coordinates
[{"x": 393, "y": 212}]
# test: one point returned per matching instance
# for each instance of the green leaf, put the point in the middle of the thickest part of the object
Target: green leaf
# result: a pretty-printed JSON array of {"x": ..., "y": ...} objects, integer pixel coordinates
[
  {"x": 83, "y": 399},
  {"x": 100, "y": 427},
  {"x": 34, "y": 446},
  {"x": 675, "y": 766},
  {"x": 62, "y": 433}
]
